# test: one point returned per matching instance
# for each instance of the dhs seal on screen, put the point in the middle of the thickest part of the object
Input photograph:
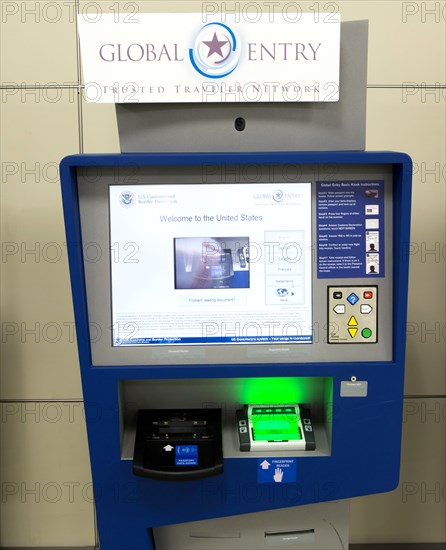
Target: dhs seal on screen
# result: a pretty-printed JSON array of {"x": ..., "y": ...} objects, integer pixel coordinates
[{"x": 127, "y": 199}]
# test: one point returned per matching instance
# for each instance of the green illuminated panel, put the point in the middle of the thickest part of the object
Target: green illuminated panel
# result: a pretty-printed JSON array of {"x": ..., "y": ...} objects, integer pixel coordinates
[
  {"x": 276, "y": 427},
  {"x": 280, "y": 390}
]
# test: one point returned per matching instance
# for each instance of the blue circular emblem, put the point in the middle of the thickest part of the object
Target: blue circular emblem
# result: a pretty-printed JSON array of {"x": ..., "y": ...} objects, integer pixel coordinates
[{"x": 216, "y": 51}]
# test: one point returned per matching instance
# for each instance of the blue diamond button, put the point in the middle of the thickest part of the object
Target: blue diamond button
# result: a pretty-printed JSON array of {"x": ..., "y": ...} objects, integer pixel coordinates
[{"x": 352, "y": 298}]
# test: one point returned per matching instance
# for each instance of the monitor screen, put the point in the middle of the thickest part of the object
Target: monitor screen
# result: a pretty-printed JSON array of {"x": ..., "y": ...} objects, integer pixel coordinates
[{"x": 210, "y": 264}]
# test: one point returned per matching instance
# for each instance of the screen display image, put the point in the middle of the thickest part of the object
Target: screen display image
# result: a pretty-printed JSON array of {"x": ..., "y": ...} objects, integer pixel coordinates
[{"x": 212, "y": 264}]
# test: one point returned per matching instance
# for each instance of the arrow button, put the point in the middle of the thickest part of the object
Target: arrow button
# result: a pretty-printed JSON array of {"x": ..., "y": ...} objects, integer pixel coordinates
[
  {"x": 340, "y": 308},
  {"x": 168, "y": 448},
  {"x": 365, "y": 308}
]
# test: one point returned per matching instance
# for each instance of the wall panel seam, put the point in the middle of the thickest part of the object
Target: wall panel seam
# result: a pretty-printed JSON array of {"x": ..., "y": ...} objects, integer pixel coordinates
[
  {"x": 8, "y": 86},
  {"x": 78, "y": 400},
  {"x": 80, "y": 124},
  {"x": 59, "y": 400}
]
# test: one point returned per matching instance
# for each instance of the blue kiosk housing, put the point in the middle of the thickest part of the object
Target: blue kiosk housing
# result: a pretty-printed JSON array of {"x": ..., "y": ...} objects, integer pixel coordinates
[{"x": 241, "y": 330}]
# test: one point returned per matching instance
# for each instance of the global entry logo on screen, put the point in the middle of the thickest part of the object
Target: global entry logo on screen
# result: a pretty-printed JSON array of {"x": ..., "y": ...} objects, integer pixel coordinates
[{"x": 277, "y": 196}]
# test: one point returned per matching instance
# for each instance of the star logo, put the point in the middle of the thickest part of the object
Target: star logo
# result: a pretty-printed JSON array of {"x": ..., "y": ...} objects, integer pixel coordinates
[
  {"x": 216, "y": 51},
  {"x": 215, "y": 45}
]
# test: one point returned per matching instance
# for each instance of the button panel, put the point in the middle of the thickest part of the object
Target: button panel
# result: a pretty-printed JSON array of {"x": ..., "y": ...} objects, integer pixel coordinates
[{"x": 354, "y": 318}]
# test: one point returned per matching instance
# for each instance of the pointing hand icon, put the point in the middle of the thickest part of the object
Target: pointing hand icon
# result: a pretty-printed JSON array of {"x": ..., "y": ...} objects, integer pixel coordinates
[{"x": 278, "y": 475}]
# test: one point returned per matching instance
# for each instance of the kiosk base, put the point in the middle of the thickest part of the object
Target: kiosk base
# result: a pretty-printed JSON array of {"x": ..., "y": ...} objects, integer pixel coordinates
[{"x": 317, "y": 527}]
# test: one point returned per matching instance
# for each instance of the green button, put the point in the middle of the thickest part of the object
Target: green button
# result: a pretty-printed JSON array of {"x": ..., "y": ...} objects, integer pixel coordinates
[{"x": 366, "y": 332}]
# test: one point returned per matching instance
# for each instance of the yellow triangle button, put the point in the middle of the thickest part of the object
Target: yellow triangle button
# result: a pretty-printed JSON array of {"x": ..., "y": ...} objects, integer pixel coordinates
[
  {"x": 352, "y": 322},
  {"x": 352, "y": 332}
]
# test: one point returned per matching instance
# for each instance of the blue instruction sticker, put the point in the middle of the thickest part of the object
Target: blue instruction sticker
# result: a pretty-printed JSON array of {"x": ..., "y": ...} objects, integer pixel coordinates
[
  {"x": 186, "y": 455},
  {"x": 276, "y": 470},
  {"x": 350, "y": 228}
]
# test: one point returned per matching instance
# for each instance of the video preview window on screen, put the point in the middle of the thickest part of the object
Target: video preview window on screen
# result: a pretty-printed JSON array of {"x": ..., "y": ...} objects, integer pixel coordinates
[{"x": 211, "y": 264}]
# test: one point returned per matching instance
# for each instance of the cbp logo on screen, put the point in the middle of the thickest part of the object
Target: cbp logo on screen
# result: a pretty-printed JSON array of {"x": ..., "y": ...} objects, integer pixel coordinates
[
  {"x": 127, "y": 199},
  {"x": 216, "y": 51}
]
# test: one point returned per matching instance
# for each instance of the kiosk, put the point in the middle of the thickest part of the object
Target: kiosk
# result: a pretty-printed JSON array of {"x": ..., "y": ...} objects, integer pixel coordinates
[{"x": 241, "y": 330}]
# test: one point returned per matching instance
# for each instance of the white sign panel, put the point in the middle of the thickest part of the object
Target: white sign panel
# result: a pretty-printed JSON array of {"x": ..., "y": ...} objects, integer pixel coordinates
[{"x": 175, "y": 58}]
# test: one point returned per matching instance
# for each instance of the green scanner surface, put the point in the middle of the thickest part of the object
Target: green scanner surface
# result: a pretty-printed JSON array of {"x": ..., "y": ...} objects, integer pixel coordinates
[{"x": 276, "y": 427}]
